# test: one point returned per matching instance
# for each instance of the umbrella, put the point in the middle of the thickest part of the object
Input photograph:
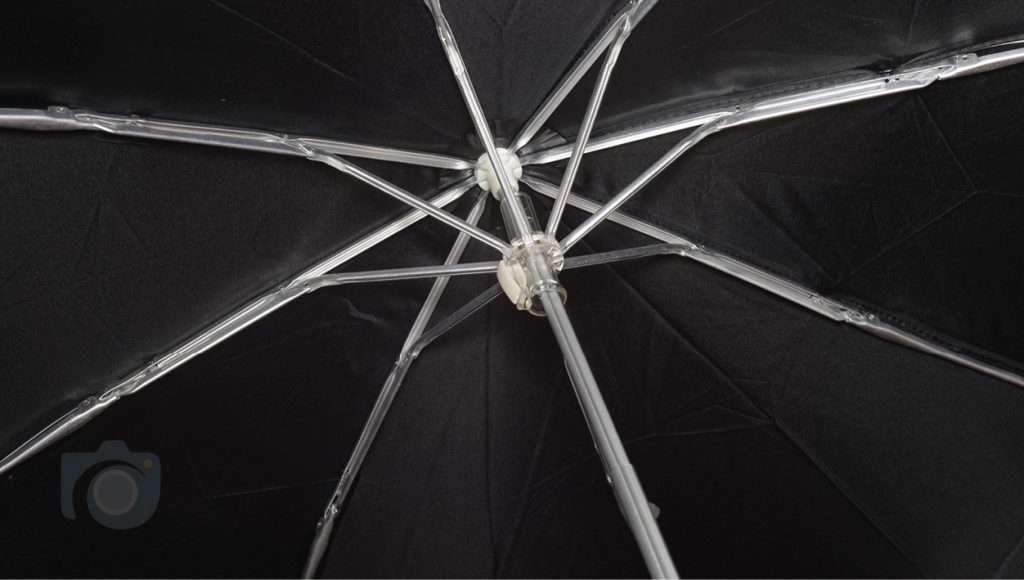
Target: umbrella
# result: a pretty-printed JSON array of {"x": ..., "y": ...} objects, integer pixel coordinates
[{"x": 222, "y": 359}]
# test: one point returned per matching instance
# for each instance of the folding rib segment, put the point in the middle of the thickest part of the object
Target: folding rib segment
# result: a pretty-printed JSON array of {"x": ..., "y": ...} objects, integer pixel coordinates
[
  {"x": 64, "y": 119},
  {"x": 643, "y": 179},
  {"x": 587, "y": 125},
  {"x": 387, "y": 394},
  {"x": 630, "y": 15},
  {"x": 914, "y": 77},
  {"x": 397, "y": 274},
  {"x": 410, "y": 199},
  {"x": 219, "y": 332},
  {"x": 476, "y": 112},
  {"x": 795, "y": 293}
]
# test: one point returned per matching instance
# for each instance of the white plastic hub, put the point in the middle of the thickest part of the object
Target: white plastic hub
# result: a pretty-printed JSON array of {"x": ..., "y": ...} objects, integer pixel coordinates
[
  {"x": 488, "y": 180},
  {"x": 514, "y": 275}
]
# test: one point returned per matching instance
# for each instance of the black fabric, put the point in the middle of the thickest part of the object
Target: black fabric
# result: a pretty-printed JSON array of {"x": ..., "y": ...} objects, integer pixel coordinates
[
  {"x": 370, "y": 71},
  {"x": 250, "y": 436},
  {"x": 115, "y": 250},
  {"x": 910, "y": 205},
  {"x": 775, "y": 443},
  {"x": 374, "y": 72},
  {"x": 689, "y": 55}
]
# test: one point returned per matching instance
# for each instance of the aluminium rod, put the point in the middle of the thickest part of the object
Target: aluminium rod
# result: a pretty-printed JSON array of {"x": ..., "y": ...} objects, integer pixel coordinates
[
  {"x": 387, "y": 394},
  {"x": 643, "y": 179},
  {"x": 59, "y": 118},
  {"x": 396, "y": 274},
  {"x": 634, "y": 11},
  {"x": 589, "y": 117},
  {"x": 410, "y": 199},
  {"x": 476, "y": 113}
]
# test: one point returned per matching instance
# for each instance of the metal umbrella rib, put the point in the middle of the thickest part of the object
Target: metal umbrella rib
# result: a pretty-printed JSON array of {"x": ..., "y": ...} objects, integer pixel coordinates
[
  {"x": 90, "y": 407},
  {"x": 642, "y": 180},
  {"x": 59, "y": 118},
  {"x": 633, "y": 13},
  {"x": 914, "y": 77},
  {"x": 410, "y": 199},
  {"x": 525, "y": 243},
  {"x": 625, "y": 485},
  {"x": 790, "y": 291},
  {"x": 589, "y": 118},
  {"x": 476, "y": 113},
  {"x": 410, "y": 349}
]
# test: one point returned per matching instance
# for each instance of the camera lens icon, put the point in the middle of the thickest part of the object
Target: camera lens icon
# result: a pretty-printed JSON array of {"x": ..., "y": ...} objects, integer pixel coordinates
[{"x": 121, "y": 488}]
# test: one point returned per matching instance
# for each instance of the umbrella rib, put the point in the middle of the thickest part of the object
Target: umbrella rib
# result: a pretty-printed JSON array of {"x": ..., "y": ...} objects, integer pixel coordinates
[
  {"x": 416, "y": 341},
  {"x": 643, "y": 179},
  {"x": 621, "y": 475},
  {"x": 589, "y": 117},
  {"x": 913, "y": 77},
  {"x": 634, "y": 11},
  {"x": 476, "y": 113},
  {"x": 410, "y": 350},
  {"x": 325, "y": 525},
  {"x": 410, "y": 199},
  {"x": 795, "y": 293},
  {"x": 396, "y": 274},
  {"x": 92, "y": 406},
  {"x": 64, "y": 119}
]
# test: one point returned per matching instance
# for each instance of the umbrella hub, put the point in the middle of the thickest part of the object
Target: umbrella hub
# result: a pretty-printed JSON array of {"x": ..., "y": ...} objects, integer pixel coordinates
[
  {"x": 488, "y": 180},
  {"x": 531, "y": 269}
]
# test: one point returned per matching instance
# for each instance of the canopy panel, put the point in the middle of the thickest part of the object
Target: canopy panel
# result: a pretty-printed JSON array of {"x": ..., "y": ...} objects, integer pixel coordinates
[
  {"x": 774, "y": 442},
  {"x": 908, "y": 205},
  {"x": 115, "y": 250},
  {"x": 371, "y": 71},
  {"x": 368, "y": 71},
  {"x": 697, "y": 55}
]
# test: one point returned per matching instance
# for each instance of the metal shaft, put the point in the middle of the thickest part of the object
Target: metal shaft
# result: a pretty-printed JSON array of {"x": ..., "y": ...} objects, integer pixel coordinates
[
  {"x": 621, "y": 475},
  {"x": 625, "y": 484},
  {"x": 384, "y": 400}
]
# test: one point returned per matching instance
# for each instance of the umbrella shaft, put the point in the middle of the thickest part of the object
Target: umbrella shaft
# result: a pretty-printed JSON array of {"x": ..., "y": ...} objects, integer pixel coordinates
[{"x": 621, "y": 475}]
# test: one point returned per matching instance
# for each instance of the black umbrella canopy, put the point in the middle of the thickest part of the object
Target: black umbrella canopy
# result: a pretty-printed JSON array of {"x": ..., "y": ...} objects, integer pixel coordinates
[{"x": 852, "y": 169}]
